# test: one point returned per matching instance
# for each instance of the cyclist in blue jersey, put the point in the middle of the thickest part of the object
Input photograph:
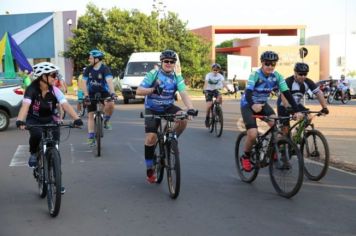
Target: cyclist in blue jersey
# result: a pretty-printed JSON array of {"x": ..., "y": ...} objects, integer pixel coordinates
[
  {"x": 40, "y": 106},
  {"x": 254, "y": 101},
  {"x": 159, "y": 87},
  {"x": 98, "y": 79}
]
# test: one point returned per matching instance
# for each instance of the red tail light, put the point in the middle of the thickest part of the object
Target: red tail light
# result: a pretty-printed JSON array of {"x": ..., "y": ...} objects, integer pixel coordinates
[{"x": 19, "y": 91}]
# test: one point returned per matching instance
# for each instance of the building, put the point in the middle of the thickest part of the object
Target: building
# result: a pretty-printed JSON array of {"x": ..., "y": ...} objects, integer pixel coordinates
[
  {"x": 285, "y": 40},
  {"x": 42, "y": 36}
]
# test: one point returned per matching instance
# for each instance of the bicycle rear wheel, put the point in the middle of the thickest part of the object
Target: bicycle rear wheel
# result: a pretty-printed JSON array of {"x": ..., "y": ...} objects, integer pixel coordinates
[
  {"x": 54, "y": 183},
  {"x": 245, "y": 176},
  {"x": 40, "y": 176},
  {"x": 316, "y": 154},
  {"x": 218, "y": 121},
  {"x": 173, "y": 168},
  {"x": 286, "y": 168},
  {"x": 159, "y": 161},
  {"x": 98, "y": 133}
]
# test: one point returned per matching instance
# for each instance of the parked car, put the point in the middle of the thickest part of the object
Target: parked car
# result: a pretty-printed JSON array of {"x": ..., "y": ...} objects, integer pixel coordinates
[{"x": 10, "y": 103}]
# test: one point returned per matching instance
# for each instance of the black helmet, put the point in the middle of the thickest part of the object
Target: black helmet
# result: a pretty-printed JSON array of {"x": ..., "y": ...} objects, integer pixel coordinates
[
  {"x": 301, "y": 67},
  {"x": 168, "y": 54},
  {"x": 269, "y": 56},
  {"x": 216, "y": 66}
]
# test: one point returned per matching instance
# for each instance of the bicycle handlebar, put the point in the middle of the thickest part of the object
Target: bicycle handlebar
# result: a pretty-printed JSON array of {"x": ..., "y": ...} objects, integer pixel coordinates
[
  {"x": 51, "y": 125},
  {"x": 273, "y": 118},
  {"x": 183, "y": 115}
]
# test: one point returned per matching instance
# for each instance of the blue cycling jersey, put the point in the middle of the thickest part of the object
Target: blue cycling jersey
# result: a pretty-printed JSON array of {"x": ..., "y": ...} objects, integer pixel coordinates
[
  {"x": 96, "y": 79},
  {"x": 169, "y": 84},
  {"x": 262, "y": 86}
]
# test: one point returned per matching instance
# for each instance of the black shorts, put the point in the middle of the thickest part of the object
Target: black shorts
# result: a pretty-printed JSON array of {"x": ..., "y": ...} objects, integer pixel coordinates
[
  {"x": 247, "y": 112},
  {"x": 209, "y": 94},
  {"x": 151, "y": 124},
  {"x": 92, "y": 106}
]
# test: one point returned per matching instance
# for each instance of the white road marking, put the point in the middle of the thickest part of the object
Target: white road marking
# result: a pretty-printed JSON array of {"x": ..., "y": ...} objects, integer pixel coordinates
[{"x": 20, "y": 157}]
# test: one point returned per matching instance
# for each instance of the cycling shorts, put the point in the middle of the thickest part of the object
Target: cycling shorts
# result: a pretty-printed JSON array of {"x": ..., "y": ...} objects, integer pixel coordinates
[
  {"x": 209, "y": 94},
  {"x": 151, "y": 124},
  {"x": 92, "y": 106},
  {"x": 247, "y": 112}
]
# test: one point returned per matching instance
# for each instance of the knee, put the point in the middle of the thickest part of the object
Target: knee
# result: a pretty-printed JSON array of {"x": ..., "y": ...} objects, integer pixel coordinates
[{"x": 150, "y": 139}]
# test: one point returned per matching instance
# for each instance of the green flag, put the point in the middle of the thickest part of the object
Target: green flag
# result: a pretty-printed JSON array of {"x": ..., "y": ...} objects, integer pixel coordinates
[{"x": 9, "y": 61}]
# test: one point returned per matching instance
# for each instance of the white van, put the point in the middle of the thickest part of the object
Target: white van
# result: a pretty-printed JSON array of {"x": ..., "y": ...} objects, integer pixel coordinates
[{"x": 138, "y": 65}]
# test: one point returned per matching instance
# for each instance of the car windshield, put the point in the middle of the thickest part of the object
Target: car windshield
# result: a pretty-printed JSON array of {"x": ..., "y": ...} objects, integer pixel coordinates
[{"x": 139, "y": 68}]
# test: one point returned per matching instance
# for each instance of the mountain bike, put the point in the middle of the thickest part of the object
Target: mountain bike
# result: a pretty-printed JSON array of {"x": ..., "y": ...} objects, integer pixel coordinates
[
  {"x": 99, "y": 120},
  {"x": 48, "y": 172},
  {"x": 166, "y": 151},
  {"x": 216, "y": 121},
  {"x": 313, "y": 146},
  {"x": 276, "y": 151}
]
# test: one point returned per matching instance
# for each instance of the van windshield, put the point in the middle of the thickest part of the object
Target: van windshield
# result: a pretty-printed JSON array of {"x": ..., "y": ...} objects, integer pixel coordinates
[{"x": 139, "y": 68}]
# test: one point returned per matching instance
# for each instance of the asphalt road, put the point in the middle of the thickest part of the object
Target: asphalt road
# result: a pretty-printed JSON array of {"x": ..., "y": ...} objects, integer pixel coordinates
[{"x": 109, "y": 195}]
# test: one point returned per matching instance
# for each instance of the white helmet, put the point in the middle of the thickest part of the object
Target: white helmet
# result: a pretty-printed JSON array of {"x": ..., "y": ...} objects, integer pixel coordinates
[{"x": 44, "y": 68}]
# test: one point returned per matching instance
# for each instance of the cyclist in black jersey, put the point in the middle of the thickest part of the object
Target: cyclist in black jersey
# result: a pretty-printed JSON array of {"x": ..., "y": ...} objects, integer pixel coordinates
[
  {"x": 39, "y": 106},
  {"x": 299, "y": 84}
]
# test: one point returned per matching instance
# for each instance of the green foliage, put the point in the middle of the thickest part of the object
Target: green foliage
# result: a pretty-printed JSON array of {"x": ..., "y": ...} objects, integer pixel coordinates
[
  {"x": 221, "y": 58},
  {"x": 119, "y": 33}
]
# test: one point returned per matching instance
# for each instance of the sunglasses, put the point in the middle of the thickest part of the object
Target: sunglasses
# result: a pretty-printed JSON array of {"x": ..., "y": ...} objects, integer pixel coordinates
[
  {"x": 53, "y": 75},
  {"x": 169, "y": 62},
  {"x": 302, "y": 74},
  {"x": 270, "y": 63}
]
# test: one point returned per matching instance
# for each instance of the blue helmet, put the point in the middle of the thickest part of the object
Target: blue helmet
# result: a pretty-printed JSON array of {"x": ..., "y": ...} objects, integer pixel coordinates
[
  {"x": 97, "y": 54},
  {"x": 216, "y": 66}
]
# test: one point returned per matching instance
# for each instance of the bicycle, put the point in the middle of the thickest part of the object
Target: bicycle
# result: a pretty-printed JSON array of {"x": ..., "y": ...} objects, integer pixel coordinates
[
  {"x": 216, "y": 116},
  {"x": 276, "y": 151},
  {"x": 48, "y": 172},
  {"x": 336, "y": 95},
  {"x": 98, "y": 120},
  {"x": 313, "y": 146},
  {"x": 166, "y": 151},
  {"x": 82, "y": 108}
]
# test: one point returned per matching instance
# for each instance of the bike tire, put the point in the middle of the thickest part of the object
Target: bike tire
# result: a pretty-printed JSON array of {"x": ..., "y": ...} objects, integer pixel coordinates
[
  {"x": 54, "y": 181},
  {"x": 286, "y": 168},
  {"x": 346, "y": 99},
  {"x": 245, "y": 176},
  {"x": 159, "y": 161},
  {"x": 218, "y": 122},
  {"x": 316, "y": 155},
  {"x": 42, "y": 188},
  {"x": 212, "y": 120},
  {"x": 173, "y": 168},
  {"x": 98, "y": 134},
  {"x": 330, "y": 98}
]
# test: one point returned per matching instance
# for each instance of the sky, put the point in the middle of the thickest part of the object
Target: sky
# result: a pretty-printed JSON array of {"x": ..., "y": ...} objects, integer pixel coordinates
[{"x": 319, "y": 16}]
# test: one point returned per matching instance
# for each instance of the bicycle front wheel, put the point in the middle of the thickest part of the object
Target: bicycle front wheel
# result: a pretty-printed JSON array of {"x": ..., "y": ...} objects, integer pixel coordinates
[
  {"x": 286, "y": 168},
  {"x": 159, "y": 161},
  {"x": 316, "y": 154},
  {"x": 98, "y": 133},
  {"x": 54, "y": 182},
  {"x": 173, "y": 168},
  {"x": 245, "y": 176},
  {"x": 40, "y": 176},
  {"x": 219, "y": 121}
]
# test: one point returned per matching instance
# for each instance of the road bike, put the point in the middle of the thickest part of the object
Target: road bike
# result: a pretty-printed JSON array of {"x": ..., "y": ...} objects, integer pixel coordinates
[
  {"x": 277, "y": 151},
  {"x": 313, "y": 146},
  {"x": 99, "y": 120},
  {"x": 166, "y": 155},
  {"x": 48, "y": 172}
]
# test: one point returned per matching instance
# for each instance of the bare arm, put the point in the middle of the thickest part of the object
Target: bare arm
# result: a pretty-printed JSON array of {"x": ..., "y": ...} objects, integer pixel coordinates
[
  {"x": 23, "y": 111},
  {"x": 69, "y": 109},
  {"x": 111, "y": 85},
  {"x": 321, "y": 99},
  {"x": 284, "y": 100}
]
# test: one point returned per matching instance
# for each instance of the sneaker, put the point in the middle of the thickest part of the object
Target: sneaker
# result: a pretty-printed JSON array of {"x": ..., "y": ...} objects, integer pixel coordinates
[
  {"x": 107, "y": 125},
  {"x": 151, "y": 177},
  {"x": 207, "y": 122},
  {"x": 63, "y": 190},
  {"x": 32, "y": 161},
  {"x": 246, "y": 163},
  {"x": 91, "y": 142}
]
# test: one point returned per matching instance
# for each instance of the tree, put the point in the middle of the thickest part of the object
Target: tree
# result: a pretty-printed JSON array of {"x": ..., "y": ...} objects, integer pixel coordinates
[{"x": 120, "y": 32}]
